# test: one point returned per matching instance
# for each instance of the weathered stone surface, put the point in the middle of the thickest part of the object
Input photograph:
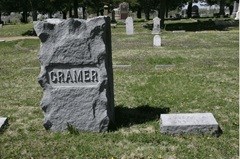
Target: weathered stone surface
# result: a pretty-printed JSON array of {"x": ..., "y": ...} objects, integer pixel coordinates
[
  {"x": 156, "y": 25},
  {"x": 76, "y": 73},
  {"x": 3, "y": 122},
  {"x": 129, "y": 26},
  {"x": 157, "y": 41},
  {"x": 196, "y": 123}
]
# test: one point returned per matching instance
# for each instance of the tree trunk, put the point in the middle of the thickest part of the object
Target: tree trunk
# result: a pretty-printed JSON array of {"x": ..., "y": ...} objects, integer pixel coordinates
[
  {"x": 24, "y": 16},
  {"x": 34, "y": 15},
  {"x": 84, "y": 12},
  {"x": 166, "y": 13},
  {"x": 222, "y": 5},
  {"x": 64, "y": 14},
  {"x": 0, "y": 17},
  {"x": 162, "y": 12},
  {"x": 139, "y": 12},
  {"x": 75, "y": 8},
  {"x": 147, "y": 14},
  {"x": 70, "y": 12},
  {"x": 189, "y": 10}
]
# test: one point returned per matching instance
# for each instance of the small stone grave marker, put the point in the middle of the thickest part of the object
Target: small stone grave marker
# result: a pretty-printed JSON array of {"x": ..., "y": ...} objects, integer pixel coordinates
[
  {"x": 238, "y": 12},
  {"x": 156, "y": 25},
  {"x": 167, "y": 66},
  {"x": 3, "y": 122},
  {"x": 76, "y": 74},
  {"x": 189, "y": 123},
  {"x": 129, "y": 26},
  {"x": 121, "y": 66},
  {"x": 157, "y": 41}
]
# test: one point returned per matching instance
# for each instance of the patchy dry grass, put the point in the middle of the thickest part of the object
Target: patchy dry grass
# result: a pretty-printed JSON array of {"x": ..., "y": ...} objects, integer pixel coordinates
[{"x": 204, "y": 79}]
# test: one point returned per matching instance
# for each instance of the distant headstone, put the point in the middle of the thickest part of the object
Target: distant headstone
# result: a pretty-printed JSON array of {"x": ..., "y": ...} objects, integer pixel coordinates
[
  {"x": 156, "y": 25},
  {"x": 105, "y": 10},
  {"x": 195, "y": 11},
  {"x": 238, "y": 12},
  {"x": 1, "y": 25},
  {"x": 3, "y": 122},
  {"x": 235, "y": 9},
  {"x": 76, "y": 74},
  {"x": 129, "y": 26},
  {"x": 189, "y": 123},
  {"x": 157, "y": 41},
  {"x": 124, "y": 9}
]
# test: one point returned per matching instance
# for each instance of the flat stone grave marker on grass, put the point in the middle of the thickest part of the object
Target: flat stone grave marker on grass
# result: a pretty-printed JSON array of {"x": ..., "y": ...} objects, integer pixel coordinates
[
  {"x": 157, "y": 41},
  {"x": 76, "y": 74},
  {"x": 121, "y": 66},
  {"x": 129, "y": 26},
  {"x": 3, "y": 122},
  {"x": 189, "y": 123},
  {"x": 166, "y": 66},
  {"x": 156, "y": 25}
]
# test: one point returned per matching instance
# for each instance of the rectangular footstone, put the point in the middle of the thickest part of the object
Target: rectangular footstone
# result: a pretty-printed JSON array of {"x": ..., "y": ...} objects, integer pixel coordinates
[
  {"x": 3, "y": 122},
  {"x": 189, "y": 123},
  {"x": 76, "y": 74}
]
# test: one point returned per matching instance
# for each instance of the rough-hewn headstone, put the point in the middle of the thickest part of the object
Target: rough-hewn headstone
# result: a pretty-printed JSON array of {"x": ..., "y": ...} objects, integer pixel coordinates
[
  {"x": 196, "y": 123},
  {"x": 156, "y": 25},
  {"x": 129, "y": 26},
  {"x": 76, "y": 73},
  {"x": 3, "y": 122},
  {"x": 156, "y": 40}
]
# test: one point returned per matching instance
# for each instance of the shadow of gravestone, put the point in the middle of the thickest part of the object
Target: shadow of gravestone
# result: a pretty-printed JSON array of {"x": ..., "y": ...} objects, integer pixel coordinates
[{"x": 125, "y": 117}]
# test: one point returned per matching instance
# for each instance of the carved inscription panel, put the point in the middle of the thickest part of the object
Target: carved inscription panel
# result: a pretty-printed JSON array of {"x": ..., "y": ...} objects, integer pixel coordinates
[{"x": 73, "y": 77}]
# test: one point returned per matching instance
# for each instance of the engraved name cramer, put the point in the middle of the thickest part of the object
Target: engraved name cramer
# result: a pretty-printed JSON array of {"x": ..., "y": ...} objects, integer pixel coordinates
[{"x": 73, "y": 76}]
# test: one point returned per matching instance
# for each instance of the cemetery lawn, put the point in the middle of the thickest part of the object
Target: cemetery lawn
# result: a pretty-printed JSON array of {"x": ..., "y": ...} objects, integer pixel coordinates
[{"x": 198, "y": 72}]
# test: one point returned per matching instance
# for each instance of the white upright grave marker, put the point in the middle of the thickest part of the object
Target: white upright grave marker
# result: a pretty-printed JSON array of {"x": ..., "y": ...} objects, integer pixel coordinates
[
  {"x": 129, "y": 26},
  {"x": 238, "y": 12},
  {"x": 157, "y": 41},
  {"x": 235, "y": 9},
  {"x": 156, "y": 25}
]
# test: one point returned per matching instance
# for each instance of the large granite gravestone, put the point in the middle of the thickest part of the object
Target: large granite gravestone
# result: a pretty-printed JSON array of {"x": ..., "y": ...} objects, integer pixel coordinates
[
  {"x": 129, "y": 26},
  {"x": 156, "y": 25},
  {"x": 189, "y": 123},
  {"x": 76, "y": 74}
]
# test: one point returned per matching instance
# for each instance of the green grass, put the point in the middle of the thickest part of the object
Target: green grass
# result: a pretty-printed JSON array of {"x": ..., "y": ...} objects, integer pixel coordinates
[
  {"x": 204, "y": 79},
  {"x": 15, "y": 30}
]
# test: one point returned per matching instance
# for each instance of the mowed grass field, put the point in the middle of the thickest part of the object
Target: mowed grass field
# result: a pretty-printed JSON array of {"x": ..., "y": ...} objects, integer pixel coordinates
[{"x": 203, "y": 76}]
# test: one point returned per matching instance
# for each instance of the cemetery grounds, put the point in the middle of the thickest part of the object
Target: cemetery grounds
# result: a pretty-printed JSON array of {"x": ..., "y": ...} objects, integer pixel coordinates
[{"x": 197, "y": 72}]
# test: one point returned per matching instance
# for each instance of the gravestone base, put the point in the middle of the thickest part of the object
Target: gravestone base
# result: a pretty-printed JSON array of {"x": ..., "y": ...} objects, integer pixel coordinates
[{"x": 189, "y": 123}]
